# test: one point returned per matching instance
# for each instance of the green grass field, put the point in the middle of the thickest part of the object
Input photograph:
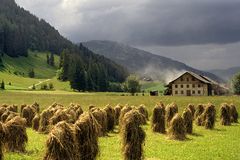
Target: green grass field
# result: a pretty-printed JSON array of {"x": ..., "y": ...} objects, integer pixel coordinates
[{"x": 221, "y": 143}]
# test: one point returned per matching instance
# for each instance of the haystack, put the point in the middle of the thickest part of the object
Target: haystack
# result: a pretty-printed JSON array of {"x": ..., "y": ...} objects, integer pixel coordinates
[
  {"x": 188, "y": 120},
  {"x": 2, "y": 110},
  {"x": 133, "y": 136},
  {"x": 171, "y": 110},
  {"x": 44, "y": 121},
  {"x": 143, "y": 110},
  {"x": 87, "y": 137},
  {"x": 61, "y": 144},
  {"x": 124, "y": 110},
  {"x": 11, "y": 116},
  {"x": 110, "y": 117},
  {"x": 101, "y": 117},
  {"x": 234, "y": 113},
  {"x": 191, "y": 107},
  {"x": 35, "y": 122},
  {"x": 117, "y": 111},
  {"x": 22, "y": 106},
  {"x": 3, "y": 135},
  {"x": 225, "y": 116},
  {"x": 28, "y": 113},
  {"x": 12, "y": 108},
  {"x": 36, "y": 106},
  {"x": 199, "y": 110},
  {"x": 16, "y": 135},
  {"x": 60, "y": 115},
  {"x": 158, "y": 119},
  {"x": 5, "y": 115},
  {"x": 209, "y": 116},
  {"x": 176, "y": 130}
]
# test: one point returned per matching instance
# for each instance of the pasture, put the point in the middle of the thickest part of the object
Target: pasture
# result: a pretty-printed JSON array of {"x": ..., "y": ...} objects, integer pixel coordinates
[{"x": 219, "y": 143}]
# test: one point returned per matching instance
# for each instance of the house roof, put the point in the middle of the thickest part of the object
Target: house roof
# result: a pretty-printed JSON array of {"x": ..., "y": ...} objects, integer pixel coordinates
[{"x": 199, "y": 77}]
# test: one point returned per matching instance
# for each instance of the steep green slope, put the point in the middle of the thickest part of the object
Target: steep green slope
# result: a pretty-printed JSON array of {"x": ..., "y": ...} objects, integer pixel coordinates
[{"x": 35, "y": 60}]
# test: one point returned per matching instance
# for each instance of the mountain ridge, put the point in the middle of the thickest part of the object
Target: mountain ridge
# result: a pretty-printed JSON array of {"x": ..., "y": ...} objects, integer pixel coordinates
[{"x": 142, "y": 62}]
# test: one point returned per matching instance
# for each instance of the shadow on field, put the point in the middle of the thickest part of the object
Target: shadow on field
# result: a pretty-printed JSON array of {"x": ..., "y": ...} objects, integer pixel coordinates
[{"x": 196, "y": 135}]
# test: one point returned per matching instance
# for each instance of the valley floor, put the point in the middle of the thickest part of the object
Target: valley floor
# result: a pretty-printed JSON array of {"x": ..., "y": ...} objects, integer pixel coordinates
[{"x": 221, "y": 143}]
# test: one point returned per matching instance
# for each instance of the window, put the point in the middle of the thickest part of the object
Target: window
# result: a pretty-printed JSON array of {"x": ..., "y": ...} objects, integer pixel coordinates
[
  {"x": 182, "y": 92},
  {"x": 199, "y": 92},
  {"x": 193, "y": 86},
  {"x": 176, "y": 86},
  {"x": 187, "y": 79},
  {"x": 181, "y": 79},
  {"x": 199, "y": 85},
  {"x": 181, "y": 85},
  {"x": 176, "y": 92},
  {"x": 193, "y": 92},
  {"x": 187, "y": 85},
  {"x": 193, "y": 79}
]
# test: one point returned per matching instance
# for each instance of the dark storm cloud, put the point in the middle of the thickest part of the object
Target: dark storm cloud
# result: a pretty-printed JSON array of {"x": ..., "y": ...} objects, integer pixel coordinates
[
  {"x": 142, "y": 22},
  {"x": 198, "y": 32}
]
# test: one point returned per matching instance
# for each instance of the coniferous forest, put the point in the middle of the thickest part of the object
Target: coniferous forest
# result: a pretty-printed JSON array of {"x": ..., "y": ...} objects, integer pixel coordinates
[{"x": 21, "y": 31}]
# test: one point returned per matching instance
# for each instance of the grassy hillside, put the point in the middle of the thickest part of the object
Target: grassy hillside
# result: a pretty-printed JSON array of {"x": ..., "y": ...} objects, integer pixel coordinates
[
  {"x": 219, "y": 143},
  {"x": 152, "y": 86},
  {"x": 15, "y": 72},
  {"x": 35, "y": 60}
]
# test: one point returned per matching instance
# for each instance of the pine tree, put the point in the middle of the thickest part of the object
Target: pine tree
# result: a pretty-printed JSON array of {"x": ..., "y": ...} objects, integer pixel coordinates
[
  {"x": 51, "y": 59},
  {"x": 47, "y": 58},
  {"x": 2, "y": 86},
  {"x": 31, "y": 73}
]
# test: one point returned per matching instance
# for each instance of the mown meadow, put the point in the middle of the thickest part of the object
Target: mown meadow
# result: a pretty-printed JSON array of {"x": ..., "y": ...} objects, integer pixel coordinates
[{"x": 219, "y": 143}]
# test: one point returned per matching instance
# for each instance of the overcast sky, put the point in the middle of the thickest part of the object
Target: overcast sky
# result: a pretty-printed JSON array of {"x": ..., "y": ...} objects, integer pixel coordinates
[{"x": 205, "y": 34}]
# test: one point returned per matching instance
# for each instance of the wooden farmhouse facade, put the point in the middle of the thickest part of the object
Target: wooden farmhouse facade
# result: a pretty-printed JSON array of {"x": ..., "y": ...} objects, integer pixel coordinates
[{"x": 191, "y": 84}]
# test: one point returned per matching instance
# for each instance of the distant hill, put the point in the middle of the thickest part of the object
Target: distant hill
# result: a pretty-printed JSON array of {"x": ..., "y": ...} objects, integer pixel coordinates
[
  {"x": 226, "y": 74},
  {"x": 142, "y": 62}
]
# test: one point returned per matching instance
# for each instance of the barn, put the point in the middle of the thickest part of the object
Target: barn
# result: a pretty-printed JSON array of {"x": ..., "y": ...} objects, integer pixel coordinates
[{"x": 192, "y": 84}]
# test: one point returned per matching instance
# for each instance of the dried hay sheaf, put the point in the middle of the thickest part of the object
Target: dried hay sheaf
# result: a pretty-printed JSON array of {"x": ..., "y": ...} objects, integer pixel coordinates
[
  {"x": 59, "y": 115},
  {"x": 143, "y": 110},
  {"x": 191, "y": 107},
  {"x": 158, "y": 118},
  {"x": 13, "y": 108},
  {"x": 74, "y": 110},
  {"x": 44, "y": 121},
  {"x": 133, "y": 136},
  {"x": 124, "y": 110},
  {"x": 234, "y": 113},
  {"x": 171, "y": 110},
  {"x": 110, "y": 117},
  {"x": 101, "y": 117},
  {"x": 176, "y": 130},
  {"x": 209, "y": 116},
  {"x": 117, "y": 110},
  {"x": 198, "y": 116},
  {"x": 61, "y": 143},
  {"x": 225, "y": 115},
  {"x": 3, "y": 135},
  {"x": 36, "y": 106},
  {"x": 188, "y": 120},
  {"x": 8, "y": 115},
  {"x": 35, "y": 122},
  {"x": 86, "y": 132},
  {"x": 16, "y": 135},
  {"x": 28, "y": 113}
]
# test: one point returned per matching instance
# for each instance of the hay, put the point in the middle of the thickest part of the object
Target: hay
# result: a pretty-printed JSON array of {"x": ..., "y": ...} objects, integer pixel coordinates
[
  {"x": 61, "y": 143},
  {"x": 209, "y": 116},
  {"x": 110, "y": 118},
  {"x": 225, "y": 116},
  {"x": 117, "y": 111},
  {"x": 91, "y": 106},
  {"x": 16, "y": 135},
  {"x": 233, "y": 113},
  {"x": 22, "y": 106},
  {"x": 35, "y": 122},
  {"x": 87, "y": 137},
  {"x": 36, "y": 106},
  {"x": 3, "y": 135},
  {"x": 188, "y": 120},
  {"x": 158, "y": 119},
  {"x": 5, "y": 115},
  {"x": 2, "y": 110},
  {"x": 143, "y": 110},
  {"x": 124, "y": 110},
  {"x": 191, "y": 107},
  {"x": 11, "y": 116},
  {"x": 44, "y": 121},
  {"x": 101, "y": 117},
  {"x": 60, "y": 115},
  {"x": 12, "y": 108},
  {"x": 177, "y": 131},
  {"x": 133, "y": 136},
  {"x": 171, "y": 110},
  {"x": 28, "y": 113},
  {"x": 198, "y": 116}
]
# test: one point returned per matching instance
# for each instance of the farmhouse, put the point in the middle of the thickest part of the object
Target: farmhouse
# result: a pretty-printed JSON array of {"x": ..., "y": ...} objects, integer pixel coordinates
[{"x": 192, "y": 84}]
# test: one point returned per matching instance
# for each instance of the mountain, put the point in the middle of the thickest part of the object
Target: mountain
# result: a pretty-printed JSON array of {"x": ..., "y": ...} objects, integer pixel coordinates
[
  {"x": 226, "y": 74},
  {"x": 142, "y": 62},
  {"x": 20, "y": 31}
]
